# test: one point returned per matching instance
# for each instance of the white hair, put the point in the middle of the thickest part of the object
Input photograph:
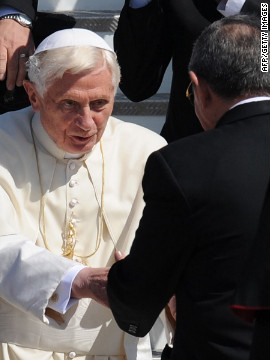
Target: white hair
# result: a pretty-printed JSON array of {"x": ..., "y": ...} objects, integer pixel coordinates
[{"x": 47, "y": 66}]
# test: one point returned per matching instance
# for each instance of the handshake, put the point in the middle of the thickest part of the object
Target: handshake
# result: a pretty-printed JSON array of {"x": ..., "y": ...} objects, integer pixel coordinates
[{"x": 92, "y": 283}]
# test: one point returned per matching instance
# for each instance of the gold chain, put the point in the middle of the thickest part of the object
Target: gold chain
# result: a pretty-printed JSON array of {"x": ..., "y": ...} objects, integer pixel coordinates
[{"x": 68, "y": 248}]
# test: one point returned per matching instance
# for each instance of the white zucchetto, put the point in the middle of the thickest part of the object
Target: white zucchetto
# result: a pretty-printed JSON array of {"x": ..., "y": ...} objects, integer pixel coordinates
[{"x": 72, "y": 37}]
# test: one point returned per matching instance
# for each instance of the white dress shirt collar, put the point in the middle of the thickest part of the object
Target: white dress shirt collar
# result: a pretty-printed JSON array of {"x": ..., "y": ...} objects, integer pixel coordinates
[
  {"x": 230, "y": 7},
  {"x": 253, "y": 99}
]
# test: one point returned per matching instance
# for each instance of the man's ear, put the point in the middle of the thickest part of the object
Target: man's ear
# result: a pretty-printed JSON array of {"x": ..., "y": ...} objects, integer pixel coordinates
[
  {"x": 203, "y": 92},
  {"x": 33, "y": 95}
]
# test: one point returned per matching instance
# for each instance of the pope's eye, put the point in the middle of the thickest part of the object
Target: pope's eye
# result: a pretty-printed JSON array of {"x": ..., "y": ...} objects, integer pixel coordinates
[
  {"x": 98, "y": 104},
  {"x": 69, "y": 103}
]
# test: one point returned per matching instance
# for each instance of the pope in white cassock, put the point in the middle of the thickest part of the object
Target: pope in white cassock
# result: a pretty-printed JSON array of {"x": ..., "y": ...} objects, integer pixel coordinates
[{"x": 70, "y": 196}]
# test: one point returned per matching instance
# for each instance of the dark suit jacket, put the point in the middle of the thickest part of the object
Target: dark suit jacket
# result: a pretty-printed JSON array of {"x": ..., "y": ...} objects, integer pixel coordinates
[
  {"x": 252, "y": 298},
  {"x": 148, "y": 38},
  {"x": 253, "y": 6},
  {"x": 253, "y": 291},
  {"x": 204, "y": 195},
  {"x": 28, "y": 7}
]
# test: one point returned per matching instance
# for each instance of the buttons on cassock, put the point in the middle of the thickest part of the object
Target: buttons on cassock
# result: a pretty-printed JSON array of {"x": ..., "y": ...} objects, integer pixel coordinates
[
  {"x": 72, "y": 166},
  {"x": 72, "y": 355},
  {"x": 73, "y": 202}
]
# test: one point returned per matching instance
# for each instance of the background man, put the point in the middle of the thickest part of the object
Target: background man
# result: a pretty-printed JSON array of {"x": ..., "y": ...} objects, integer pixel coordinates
[
  {"x": 150, "y": 34},
  {"x": 70, "y": 185},
  {"x": 21, "y": 29}
]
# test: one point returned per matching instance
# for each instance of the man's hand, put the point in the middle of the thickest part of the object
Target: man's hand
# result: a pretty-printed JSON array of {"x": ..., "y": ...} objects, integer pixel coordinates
[
  {"x": 172, "y": 306},
  {"x": 15, "y": 40},
  {"x": 118, "y": 255},
  {"x": 170, "y": 311},
  {"x": 91, "y": 283}
]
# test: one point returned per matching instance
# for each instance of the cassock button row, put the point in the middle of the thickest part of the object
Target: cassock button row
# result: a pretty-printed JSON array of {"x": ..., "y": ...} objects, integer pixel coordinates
[
  {"x": 74, "y": 221},
  {"x": 72, "y": 355},
  {"x": 73, "y": 202},
  {"x": 72, "y": 166},
  {"x": 72, "y": 183}
]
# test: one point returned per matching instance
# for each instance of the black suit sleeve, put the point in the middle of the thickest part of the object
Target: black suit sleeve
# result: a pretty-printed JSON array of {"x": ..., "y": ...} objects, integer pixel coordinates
[
  {"x": 141, "y": 285},
  {"x": 143, "y": 48},
  {"x": 145, "y": 41},
  {"x": 28, "y": 7}
]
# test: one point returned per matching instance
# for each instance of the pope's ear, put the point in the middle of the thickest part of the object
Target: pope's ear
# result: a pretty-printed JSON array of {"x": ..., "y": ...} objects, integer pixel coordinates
[{"x": 32, "y": 93}]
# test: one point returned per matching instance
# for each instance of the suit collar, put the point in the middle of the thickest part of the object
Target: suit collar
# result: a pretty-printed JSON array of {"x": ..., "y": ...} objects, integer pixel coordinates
[{"x": 244, "y": 111}]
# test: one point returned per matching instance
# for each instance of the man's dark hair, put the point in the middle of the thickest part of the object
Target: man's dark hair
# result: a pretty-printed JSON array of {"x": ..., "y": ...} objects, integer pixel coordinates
[{"x": 228, "y": 56}]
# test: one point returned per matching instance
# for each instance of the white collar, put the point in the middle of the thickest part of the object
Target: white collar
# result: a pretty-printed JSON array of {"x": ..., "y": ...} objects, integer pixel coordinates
[{"x": 253, "y": 99}]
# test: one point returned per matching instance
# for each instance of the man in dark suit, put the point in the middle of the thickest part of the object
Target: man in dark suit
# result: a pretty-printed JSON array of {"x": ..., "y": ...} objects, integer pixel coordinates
[
  {"x": 204, "y": 195},
  {"x": 21, "y": 29},
  {"x": 149, "y": 37}
]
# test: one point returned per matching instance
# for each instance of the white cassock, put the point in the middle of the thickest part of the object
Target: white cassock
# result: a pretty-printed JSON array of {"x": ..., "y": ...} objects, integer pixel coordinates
[{"x": 69, "y": 189}]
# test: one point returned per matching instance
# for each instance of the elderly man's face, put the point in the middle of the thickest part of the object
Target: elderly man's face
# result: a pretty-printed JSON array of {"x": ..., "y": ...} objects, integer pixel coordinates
[{"x": 75, "y": 109}]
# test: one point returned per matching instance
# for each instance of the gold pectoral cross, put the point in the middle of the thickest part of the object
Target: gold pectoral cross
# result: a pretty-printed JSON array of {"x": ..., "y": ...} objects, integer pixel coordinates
[{"x": 70, "y": 242}]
